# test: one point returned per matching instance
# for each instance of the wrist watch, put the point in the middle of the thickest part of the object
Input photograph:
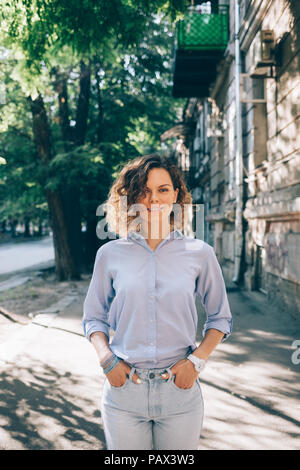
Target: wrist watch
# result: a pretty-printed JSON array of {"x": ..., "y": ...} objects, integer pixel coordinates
[{"x": 198, "y": 363}]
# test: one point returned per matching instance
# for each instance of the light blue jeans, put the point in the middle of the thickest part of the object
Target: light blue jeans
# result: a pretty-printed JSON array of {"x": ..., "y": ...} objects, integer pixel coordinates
[{"x": 153, "y": 415}]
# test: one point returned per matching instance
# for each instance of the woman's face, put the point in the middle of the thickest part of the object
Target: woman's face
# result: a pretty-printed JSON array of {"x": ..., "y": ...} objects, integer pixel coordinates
[{"x": 160, "y": 195}]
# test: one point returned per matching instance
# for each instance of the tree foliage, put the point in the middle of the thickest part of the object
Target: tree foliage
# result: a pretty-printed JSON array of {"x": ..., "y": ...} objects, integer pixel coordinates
[{"x": 126, "y": 46}]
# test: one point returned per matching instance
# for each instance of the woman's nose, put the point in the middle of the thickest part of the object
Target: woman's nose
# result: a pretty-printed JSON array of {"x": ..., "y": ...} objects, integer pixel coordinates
[{"x": 154, "y": 198}]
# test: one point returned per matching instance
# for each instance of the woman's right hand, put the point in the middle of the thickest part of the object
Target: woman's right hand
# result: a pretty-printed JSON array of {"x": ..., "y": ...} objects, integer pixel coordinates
[{"x": 117, "y": 376}]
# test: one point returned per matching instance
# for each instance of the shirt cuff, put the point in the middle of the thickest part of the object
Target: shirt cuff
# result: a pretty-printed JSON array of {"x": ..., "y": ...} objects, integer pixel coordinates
[
  {"x": 223, "y": 325},
  {"x": 93, "y": 326}
]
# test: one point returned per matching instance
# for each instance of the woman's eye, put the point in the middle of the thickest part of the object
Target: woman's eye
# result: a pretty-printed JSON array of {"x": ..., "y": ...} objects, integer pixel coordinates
[{"x": 162, "y": 190}]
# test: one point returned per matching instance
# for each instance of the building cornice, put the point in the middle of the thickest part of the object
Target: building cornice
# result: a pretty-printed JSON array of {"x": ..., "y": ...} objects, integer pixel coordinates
[
  {"x": 252, "y": 21},
  {"x": 223, "y": 215},
  {"x": 281, "y": 210}
]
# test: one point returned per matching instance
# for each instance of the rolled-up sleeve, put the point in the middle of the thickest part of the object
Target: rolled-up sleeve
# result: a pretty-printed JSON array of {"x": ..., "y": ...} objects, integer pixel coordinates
[
  {"x": 212, "y": 291},
  {"x": 98, "y": 299}
]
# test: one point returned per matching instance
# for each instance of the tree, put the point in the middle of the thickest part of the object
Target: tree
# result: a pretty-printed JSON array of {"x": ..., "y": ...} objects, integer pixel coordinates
[{"x": 50, "y": 40}]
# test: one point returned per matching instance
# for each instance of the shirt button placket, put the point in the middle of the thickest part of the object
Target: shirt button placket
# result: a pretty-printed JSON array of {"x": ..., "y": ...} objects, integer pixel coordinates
[{"x": 152, "y": 329}]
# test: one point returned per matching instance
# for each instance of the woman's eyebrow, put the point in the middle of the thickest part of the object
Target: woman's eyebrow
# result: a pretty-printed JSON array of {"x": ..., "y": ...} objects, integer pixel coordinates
[{"x": 166, "y": 184}]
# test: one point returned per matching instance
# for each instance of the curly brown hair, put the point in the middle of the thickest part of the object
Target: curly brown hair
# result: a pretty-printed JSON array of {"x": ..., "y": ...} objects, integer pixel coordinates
[{"x": 132, "y": 181}]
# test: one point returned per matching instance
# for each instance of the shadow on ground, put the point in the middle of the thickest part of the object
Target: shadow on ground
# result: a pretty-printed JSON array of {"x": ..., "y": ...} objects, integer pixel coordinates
[
  {"x": 251, "y": 385},
  {"x": 41, "y": 408}
]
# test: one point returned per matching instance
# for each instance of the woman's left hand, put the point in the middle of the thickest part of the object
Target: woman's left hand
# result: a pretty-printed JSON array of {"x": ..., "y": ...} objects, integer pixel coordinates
[{"x": 184, "y": 372}]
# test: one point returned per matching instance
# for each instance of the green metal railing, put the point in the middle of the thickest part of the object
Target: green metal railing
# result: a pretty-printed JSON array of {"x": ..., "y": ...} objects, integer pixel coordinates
[{"x": 203, "y": 31}]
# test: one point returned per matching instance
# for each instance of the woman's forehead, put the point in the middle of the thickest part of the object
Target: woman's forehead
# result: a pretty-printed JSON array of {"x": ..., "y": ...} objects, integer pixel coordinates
[{"x": 159, "y": 175}]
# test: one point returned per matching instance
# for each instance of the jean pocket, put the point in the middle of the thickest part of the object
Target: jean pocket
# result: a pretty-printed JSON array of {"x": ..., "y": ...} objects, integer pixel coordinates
[
  {"x": 121, "y": 386},
  {"x": 184, "y": 390}
]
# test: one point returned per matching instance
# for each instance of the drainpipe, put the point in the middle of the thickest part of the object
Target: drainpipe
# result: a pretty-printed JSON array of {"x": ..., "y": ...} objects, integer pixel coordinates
[{"x": 238, "y": 154}]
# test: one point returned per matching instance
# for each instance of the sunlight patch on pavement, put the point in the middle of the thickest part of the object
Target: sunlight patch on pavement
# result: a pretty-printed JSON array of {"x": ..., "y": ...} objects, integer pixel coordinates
[{"x": 25, "y": 335}]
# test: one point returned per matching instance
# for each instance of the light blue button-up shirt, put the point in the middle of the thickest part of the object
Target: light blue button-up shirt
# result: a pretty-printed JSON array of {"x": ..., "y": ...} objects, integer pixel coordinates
[{"x": 147, "y": 297}]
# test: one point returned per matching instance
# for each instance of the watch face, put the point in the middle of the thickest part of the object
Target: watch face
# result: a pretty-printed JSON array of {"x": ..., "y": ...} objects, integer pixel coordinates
[
  {"x": 200, "y": 366},
  {"x": 198, "y": 363}
]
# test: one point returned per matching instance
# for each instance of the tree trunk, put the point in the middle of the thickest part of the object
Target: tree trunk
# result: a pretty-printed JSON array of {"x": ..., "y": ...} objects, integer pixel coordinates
[
  {"x": 72, "y": 210},
  {"x": 13, "y": 225},
  {"x": 70, "y": 193},
  {"x": 73, "y": 137},
  {"x": 64, "y": 261},
  {"x": 71, "y": 197},
  {"x": 83, "y": 103},
  {"x": 27, "y": 227},
  {"x": 60, "y": 86}
]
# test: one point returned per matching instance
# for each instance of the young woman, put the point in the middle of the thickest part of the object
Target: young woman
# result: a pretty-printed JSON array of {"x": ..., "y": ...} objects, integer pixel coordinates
[{"x": 143, "y": 288}]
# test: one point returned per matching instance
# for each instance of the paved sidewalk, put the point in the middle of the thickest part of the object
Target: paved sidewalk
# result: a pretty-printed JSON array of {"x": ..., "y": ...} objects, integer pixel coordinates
[
  {"x": 251, "y": 386},
  {"x": 51, "y": 382},
  {"x": 50, "y": 385}
]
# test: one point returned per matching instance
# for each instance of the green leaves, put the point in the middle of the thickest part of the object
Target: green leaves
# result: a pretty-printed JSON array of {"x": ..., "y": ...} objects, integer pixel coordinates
[
  {"x": 128, "y": 44},
  {"x": 85, "y": 26},
  {"x": 80, "y": 163}
]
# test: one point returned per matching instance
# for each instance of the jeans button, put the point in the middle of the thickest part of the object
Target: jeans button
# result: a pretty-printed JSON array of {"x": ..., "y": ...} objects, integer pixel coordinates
[{"x": 151, "y": 375}]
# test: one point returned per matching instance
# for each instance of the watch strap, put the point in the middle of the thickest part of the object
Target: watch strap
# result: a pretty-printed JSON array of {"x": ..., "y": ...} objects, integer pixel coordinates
[{"x": 198, "y": 363}]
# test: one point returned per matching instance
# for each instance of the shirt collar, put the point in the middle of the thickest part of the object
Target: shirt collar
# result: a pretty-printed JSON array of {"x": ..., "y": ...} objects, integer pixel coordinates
[{"x": 175, "y": 234}]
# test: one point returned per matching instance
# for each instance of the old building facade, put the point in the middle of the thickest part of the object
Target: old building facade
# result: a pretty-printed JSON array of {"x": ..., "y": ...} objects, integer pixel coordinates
[{"x": 240, "y": 150}]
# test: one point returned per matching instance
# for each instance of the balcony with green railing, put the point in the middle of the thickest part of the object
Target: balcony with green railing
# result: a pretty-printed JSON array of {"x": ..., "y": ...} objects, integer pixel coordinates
[{"x": 200, "y": 42}]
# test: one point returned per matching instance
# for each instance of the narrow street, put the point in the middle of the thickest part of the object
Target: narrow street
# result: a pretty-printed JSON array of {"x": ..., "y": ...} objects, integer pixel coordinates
[
  {"x": 24, "y": 255},
  {"x": 51, "y": 382}
]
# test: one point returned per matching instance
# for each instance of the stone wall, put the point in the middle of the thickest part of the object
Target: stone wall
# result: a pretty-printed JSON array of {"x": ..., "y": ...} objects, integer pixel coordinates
[
  {"x": 270, "y": 149},
  {"x": 273, "y": 205}
]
